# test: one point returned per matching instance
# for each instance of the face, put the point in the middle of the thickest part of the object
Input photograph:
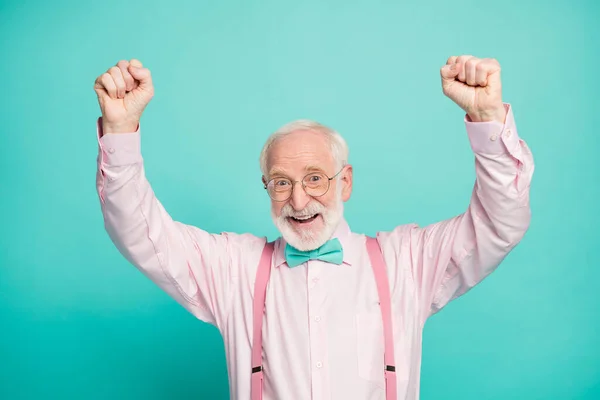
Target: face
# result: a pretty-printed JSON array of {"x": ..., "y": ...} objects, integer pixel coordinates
[{"x": 307, "y": 222}]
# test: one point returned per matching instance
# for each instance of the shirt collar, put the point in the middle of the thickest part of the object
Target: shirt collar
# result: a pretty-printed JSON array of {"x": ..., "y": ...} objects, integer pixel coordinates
[{"x": 342, "y": 233}]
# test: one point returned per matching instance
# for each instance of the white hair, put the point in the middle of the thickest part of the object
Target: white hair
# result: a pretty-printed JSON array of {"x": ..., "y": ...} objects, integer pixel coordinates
[{"x": 339, "y": 148}]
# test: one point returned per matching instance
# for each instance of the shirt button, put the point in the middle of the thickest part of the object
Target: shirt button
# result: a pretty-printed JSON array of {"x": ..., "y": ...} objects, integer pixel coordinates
[
  {"x": 317, "y": 318},
  {"x": 508, "y": 133},
  {"x": 111, "y": 150},
  {"x": 315, "y": 280},
  {"x": 493, "y": 137},
  {"x": 319, "y": 364}
]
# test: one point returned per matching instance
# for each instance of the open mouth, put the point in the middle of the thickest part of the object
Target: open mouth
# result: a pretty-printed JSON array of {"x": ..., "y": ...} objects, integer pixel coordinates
[{"x": 304, "y": 219}]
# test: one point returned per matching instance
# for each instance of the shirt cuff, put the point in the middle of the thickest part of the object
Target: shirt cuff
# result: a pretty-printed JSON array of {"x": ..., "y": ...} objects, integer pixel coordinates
[
  {"x": 493, "y": 137},
  {"x": 118, "y": 149}
]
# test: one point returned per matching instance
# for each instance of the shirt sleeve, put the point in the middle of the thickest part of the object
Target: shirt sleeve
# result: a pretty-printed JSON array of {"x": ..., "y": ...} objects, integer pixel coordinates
[
  {"x": 450, "y": 257},
  {"x": 194, "y": 267}
]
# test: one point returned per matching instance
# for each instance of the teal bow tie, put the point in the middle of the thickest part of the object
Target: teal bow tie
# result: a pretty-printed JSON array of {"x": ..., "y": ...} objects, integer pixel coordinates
[{"x": 331, "y": 252}]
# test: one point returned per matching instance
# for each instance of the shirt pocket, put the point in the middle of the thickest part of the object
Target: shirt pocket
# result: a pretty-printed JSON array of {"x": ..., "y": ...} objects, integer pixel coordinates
[{"x": 370, "y": 348}]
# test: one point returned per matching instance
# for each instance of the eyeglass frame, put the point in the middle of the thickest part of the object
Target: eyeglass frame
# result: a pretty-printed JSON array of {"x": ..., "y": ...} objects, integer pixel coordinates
[{"x": 303, "y": 186}]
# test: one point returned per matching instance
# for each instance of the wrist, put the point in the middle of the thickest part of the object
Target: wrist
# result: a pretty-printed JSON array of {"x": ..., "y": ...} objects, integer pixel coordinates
[
  {"x": 120, "y": 127},
  {"x": 498, "y": 114}
]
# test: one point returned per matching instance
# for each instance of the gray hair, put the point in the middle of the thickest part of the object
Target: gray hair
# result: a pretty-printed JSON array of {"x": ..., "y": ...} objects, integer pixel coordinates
[{"x": 339, "y": 148}]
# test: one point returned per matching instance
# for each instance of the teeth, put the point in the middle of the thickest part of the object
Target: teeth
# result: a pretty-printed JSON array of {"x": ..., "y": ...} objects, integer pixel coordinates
[{"x": 304, "y": 218}]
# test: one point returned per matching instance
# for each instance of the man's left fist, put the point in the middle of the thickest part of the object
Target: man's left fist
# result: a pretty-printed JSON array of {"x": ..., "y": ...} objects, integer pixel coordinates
[{"x": 474, "y": 84}]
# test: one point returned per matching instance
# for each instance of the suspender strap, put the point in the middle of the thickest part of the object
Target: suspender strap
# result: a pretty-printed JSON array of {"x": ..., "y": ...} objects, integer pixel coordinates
[
  {"x": 260, "y": 290},
  {"x": 385, "y": 303}
]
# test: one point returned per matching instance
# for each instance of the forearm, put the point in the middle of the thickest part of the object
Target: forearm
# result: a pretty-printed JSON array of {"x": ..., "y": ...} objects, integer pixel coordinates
[
  {"x": 132, "y": 213},
  {"x": 136, "y": 222},
  {"x": 503, "y": 168},
  {"x": 189, "y": 264},
  {"x": 495, "y": 221}
]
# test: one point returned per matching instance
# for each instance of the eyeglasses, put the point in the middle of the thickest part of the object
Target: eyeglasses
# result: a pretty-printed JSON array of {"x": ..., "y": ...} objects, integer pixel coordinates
[{"x": 315, "y": 184}]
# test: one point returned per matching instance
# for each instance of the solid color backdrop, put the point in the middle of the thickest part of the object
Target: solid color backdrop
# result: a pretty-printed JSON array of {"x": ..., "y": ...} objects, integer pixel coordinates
[{"x": 78, "y": 322}]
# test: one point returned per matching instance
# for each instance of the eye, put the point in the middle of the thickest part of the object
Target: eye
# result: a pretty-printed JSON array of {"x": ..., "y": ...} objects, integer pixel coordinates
[
  {"x": 281, "y": 182},
  {"x": 315, "y": 178}
]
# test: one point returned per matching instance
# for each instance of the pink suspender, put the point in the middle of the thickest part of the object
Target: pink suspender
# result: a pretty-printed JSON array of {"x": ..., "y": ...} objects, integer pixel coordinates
[
  {"x": 385, "y": 303},
  {"x": 260, "y": 288}
]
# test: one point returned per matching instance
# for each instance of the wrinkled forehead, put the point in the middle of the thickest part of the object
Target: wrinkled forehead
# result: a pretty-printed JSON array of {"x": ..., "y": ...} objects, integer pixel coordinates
[{"x": 299, "y": 150}]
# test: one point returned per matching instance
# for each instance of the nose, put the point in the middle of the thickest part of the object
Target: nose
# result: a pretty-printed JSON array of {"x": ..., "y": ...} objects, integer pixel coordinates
[{"x": 299, "y": 198}]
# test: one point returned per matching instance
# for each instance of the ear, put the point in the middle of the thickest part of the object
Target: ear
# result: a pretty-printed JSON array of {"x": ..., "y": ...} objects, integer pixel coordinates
[
  {"x": 264, "y": 181},
  {"x": 346, "y": 182}
]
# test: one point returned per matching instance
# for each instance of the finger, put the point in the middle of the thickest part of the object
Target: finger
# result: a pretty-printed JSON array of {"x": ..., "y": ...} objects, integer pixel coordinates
[
  {"x": 136, "y": 63},
  {"x": 481, "y": 74},
  {"x": 99, "y": 89},
  {"x": 115, "y": 72},
  {"x": 129, "y": 81},
  {"x": 485, "y": 69},
  {"x": 109, "y": 84},
  {"x": 462, "y": 73},
  {"x": 463, "y": 58},
  {"x": 143, "y": 76},
  {"x": 471, "y": 71},
  {"x": 451, "y": 60},
  {"x": 449, "y": 72}
]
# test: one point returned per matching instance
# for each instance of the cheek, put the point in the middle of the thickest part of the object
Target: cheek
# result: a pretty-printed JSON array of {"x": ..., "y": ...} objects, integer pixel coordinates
[
  {"x": 328, "y": 200},
  {"x": 276, "y": 207}
]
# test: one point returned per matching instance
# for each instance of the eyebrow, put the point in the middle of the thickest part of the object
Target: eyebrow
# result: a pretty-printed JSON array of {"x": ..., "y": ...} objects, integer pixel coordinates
[
  {"x": 313, "y": 168},
  {"x": 307, "y": 169}
]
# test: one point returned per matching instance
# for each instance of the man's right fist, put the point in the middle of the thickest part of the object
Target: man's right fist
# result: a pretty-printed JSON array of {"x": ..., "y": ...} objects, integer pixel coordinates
[{"x": 123, "y": 92}]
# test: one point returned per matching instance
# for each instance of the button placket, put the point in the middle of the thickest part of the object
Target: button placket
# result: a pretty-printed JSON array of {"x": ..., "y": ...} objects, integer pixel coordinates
[{"x": 316, "y": 297}]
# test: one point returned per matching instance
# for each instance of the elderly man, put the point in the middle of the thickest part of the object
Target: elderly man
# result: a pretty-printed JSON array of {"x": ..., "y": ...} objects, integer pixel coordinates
[{"x": 322, "y": 312}]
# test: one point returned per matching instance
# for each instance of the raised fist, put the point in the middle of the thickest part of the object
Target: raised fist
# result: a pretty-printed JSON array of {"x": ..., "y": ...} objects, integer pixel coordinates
[
  {"x": 475, "y": 85},
  {"x": 123, "y": 92}
]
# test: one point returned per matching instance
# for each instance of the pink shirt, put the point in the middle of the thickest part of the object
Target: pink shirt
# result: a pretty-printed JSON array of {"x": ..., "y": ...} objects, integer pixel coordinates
[{"x": 322, "y": 332}]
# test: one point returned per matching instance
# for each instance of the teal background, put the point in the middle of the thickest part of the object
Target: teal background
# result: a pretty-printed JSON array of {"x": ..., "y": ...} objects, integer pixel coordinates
[{"x": 78, "y": 322}]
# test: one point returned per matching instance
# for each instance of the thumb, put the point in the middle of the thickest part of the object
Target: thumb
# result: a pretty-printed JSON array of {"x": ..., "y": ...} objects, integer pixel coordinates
[
  {"x": 449, "y": 72},
  {"x": 100, "y": 92}
]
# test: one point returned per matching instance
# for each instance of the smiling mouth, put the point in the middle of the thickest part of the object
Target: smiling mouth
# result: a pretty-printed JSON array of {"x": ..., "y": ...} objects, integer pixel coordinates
[{"x": 305, "y": 219}]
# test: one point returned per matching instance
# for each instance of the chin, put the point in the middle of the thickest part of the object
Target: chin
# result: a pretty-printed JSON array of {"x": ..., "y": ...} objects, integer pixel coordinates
[{"x": 310, "y": 233}]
